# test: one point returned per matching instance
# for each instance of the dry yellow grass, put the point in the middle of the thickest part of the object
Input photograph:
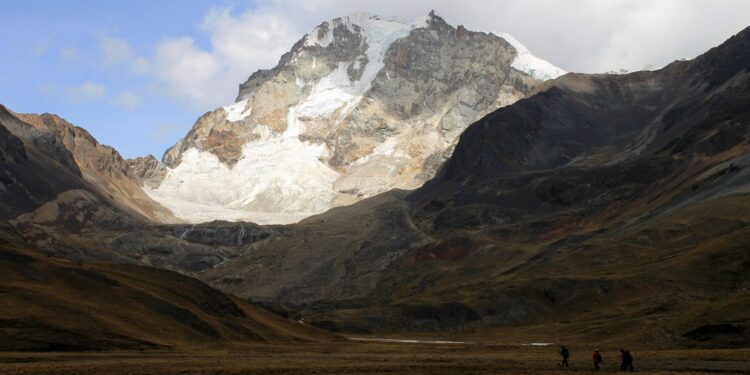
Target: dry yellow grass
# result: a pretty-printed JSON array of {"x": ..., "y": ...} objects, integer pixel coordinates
[{"x": 361, "y": 358}]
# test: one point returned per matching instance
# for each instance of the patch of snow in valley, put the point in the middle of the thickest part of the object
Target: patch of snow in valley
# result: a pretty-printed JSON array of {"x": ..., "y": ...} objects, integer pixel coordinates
[
  {"x": 201, "y": 213},
  {"x": 526, "y": 62},
  {"x": 406, "y": 341}
]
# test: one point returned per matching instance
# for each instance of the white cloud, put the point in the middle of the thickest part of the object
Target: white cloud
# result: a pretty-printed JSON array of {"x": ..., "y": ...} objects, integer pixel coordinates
[
  {"x": 140, "y": 65},
  {"x": 127, "y": 100},
  {"x": 85, "y": 92},
  {"x": 188, "y": 71},
  {"x": 68, "y": 53},
  {"x": 47, "y": 88},
  {"x": 659, "y": 32},
  {"x": 40, "y": 47},
  {"x": 114, "y": 50},
  {"x": 251, "y": 38},
  {"x": 240, "y": 45},
  {"x": 576, "y": 35}
]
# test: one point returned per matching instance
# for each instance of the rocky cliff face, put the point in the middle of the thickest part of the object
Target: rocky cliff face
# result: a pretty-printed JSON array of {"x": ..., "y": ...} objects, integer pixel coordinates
[
  {"x": 147, "y": 170},
  {"x": 361, "y": 105},
  {"x": 11, "y": 147},
  {"x": 71, "y": 159}
]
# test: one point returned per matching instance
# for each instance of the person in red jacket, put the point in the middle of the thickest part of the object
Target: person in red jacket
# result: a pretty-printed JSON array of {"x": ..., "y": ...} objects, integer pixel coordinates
[{"x": 597, "y": 359}]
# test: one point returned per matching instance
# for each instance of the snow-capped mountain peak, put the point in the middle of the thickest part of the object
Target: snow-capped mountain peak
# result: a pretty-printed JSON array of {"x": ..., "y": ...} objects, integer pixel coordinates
[
  {"x": 378, "y": 30},
  {"x": 361, "y": 105}
]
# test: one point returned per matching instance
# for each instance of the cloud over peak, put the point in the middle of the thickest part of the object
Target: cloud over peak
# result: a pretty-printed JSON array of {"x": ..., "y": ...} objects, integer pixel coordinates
[{"x": 240, "y": 44}]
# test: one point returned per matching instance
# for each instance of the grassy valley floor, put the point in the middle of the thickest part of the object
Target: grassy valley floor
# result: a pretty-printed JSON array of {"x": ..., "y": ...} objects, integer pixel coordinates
[{"x": 369, "y": 358}]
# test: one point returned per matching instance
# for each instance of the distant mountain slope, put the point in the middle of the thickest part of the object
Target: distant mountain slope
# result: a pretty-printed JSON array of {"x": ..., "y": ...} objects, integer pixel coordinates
[
  {"x": 362, "y": 105},
  {"x": 68, "y": 196},
  {"x": 602, "y": 198},
  {"x": 58, "y": 156},
  {"x": 31, "y": 177}
]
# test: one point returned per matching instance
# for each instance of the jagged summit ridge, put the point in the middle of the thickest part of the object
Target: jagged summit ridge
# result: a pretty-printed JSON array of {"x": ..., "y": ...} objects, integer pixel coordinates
[{"x": 361, "y": 105}]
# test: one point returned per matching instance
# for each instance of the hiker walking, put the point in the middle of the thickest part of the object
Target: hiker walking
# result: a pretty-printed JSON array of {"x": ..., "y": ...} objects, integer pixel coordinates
[
  {"x": 626, "y": 360},
  {"x": 597, "y": 359},
  {"x": 565, "y": 355}
]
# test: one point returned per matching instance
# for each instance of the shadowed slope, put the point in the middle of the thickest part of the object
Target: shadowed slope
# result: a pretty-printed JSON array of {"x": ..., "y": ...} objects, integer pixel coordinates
[{"x": 57, "y": 305}]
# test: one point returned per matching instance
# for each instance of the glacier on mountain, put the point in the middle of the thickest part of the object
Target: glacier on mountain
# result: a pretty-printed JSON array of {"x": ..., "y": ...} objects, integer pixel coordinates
[
  {"x": 278, "y": 180},
  {"x": 540, "y": 69}
]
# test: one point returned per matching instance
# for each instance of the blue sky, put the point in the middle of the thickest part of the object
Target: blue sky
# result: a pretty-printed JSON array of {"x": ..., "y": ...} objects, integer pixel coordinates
[
  {"x": 137, "y": 74},
  {"x": 58, "y": 64}
]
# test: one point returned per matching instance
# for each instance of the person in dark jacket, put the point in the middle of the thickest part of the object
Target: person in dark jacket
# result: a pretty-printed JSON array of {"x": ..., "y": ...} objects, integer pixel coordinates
[
  {"x": 565, "y": 355},
  {"x": 626, "y": 360},
  {"x": 597, "y": 359}
]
